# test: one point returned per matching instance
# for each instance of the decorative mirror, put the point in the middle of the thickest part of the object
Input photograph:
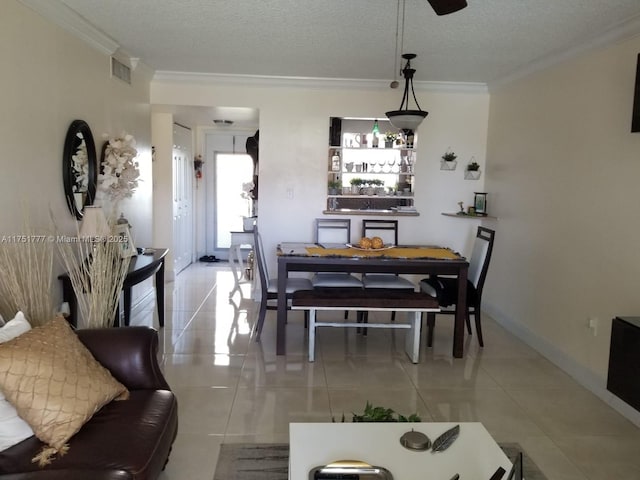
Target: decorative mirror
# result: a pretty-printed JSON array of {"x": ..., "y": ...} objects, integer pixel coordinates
[{"x": 79, "y": 172}]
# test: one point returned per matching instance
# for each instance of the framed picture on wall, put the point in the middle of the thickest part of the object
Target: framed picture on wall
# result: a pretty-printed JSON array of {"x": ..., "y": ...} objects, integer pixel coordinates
[
  {"x": 123, "y": 236},
  {"x": 480, "y": 203}
]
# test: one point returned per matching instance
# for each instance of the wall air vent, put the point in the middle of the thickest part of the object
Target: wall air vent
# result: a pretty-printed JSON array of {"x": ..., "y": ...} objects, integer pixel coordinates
[{"x": 120, "y": 70}]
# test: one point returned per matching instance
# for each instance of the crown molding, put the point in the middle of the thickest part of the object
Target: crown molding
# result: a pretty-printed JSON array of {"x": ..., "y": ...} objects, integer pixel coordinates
[
  {"x": 58, "y": 13},
  {"x": 627, "y": 29},
  {"x": 308, "y": 82}
]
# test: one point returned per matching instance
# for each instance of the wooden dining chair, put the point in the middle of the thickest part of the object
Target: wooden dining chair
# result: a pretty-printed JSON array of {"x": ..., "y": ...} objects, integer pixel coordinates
[
  {"x": 269, "y": 286},
  {"x": 445, "y": 289},
  {"x": 333, "y": 232},
  {"x": 330, "y": 232},
  {"x": 388, "y": 231}
]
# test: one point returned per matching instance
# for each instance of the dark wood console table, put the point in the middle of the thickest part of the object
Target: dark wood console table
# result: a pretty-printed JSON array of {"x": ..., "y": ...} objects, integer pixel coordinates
[{"x": 141, "y": 267}]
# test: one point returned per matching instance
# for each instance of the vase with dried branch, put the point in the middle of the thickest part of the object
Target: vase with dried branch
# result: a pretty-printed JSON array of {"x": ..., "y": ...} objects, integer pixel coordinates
[
  {"x": 97, "y": 271},
  {"x": 26, "y": 263}
]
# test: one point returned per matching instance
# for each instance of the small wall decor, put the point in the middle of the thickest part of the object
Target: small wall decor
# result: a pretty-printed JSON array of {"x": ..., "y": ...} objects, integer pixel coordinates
[
  {"x": 472, "y": 171},
  {"x": 197, "y": 165},
  {"x": 448, "y": 161}
]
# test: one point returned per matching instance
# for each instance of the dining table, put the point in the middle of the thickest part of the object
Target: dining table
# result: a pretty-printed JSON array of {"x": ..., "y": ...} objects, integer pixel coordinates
[{"x": 407, "y": 259}]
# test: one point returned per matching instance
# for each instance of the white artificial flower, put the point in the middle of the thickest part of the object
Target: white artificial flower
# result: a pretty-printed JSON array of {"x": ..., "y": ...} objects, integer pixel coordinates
[{"x": 119, "y": 177}]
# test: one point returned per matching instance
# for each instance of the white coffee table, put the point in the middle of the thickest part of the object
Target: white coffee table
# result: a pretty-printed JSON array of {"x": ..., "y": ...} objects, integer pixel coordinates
[{"x": 474, "y": 455}]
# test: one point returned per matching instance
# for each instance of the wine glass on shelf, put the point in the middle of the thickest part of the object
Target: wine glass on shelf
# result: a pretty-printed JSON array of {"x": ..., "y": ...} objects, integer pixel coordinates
[
  {"x": 391, "y": 162},
  {"x": 381, "y": 163},
  {"x": 410, "y": 161}
]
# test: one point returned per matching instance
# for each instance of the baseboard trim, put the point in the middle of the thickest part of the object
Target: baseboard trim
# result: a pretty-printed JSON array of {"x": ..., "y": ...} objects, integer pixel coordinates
[{"x": 578, "y": 372}]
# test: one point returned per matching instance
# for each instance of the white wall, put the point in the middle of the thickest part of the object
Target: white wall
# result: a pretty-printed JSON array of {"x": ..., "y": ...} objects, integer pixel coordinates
[
  {"x": 49, "y": 79},
  {"x": 294, "y": 132},
  {"x": 564, "y": 172}
]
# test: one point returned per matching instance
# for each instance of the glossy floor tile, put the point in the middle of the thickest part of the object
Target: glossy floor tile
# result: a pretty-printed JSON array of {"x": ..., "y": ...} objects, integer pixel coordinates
[{"x": 232, "y": 389}]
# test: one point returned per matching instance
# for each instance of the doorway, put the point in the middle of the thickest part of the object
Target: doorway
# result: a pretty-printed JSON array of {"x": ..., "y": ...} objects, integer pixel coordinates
[
  {"x": 227, "y": 169},
  {"x": 233, "y": 174}
]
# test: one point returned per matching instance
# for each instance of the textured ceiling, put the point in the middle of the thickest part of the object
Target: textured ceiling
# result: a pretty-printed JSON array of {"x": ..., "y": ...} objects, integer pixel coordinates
[{"x": 487, "y": 41}]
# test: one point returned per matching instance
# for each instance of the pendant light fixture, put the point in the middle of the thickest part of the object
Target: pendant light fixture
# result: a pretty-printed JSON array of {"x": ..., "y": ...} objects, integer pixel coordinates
[{"x": 404, "y": 118}]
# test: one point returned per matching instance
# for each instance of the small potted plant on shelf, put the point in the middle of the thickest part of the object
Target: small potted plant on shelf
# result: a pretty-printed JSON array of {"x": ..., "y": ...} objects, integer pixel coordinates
[
  {"x": 473, "y": 170},
  {"x": 389, "y": 138},
  {"x": 378, "y": 186},
  {"x": 448, "y": 161},
  {"x": 334, "y": 187},
  {"x": 356, "y": 185}
]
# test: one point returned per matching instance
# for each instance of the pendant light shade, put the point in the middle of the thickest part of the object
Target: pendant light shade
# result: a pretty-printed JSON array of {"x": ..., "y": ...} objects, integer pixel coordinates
[{"x": 403, "y": 118}]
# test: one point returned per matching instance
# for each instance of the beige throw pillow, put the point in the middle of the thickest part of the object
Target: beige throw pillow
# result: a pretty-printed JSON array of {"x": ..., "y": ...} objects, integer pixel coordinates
[{"x": 54, "y": 383}]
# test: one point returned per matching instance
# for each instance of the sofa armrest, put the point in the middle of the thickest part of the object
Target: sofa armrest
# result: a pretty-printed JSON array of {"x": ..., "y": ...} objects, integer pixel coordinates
[{"x": 129, "y": 353}]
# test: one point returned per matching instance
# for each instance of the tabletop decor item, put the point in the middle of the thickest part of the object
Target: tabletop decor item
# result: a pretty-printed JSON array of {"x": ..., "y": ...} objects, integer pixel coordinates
[
  {"x": 445, "y": 440},
  {"x": 389, "y": 139},
  {"x": 94, "y": 261},
  {"x": 119, "y": 173},
  {"x": 480, "y": 203},
  {"x": 248, "y": 194}
]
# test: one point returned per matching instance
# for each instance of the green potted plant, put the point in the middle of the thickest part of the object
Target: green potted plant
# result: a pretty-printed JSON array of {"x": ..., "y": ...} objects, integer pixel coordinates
[
  {"x": 389, "y": 138},
  {"x": 380, "y": 414},
  {"x": 449, "y": 156},
  {"x": 473, "y": 170},
  {"x": 378, "y": 186},
  {"x": 473, "y": 166},
  {"x": 448, "y": 161},
  {"x": 356, "y": 185},
  {"x": 334, "y": 187}
]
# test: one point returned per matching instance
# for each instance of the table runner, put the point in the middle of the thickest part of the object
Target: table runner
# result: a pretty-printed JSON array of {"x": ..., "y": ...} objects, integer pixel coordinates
[{"x": 439, "y": 253}]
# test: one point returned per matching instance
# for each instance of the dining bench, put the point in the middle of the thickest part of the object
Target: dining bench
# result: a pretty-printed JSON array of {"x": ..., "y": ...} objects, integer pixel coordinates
[{"x": 327, "y": 299}]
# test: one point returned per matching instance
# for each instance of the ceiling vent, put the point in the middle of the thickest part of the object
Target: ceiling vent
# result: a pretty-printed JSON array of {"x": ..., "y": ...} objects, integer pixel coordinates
[{"x": 120, "y": 70}]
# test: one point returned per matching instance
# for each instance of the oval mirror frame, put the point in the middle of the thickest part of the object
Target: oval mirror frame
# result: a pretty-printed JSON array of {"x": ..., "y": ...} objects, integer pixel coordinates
[{"x": 80, "y": 174}]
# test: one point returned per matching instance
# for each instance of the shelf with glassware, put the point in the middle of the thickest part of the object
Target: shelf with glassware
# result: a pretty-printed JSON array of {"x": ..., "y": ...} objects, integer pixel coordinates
[{"x": 367, "y": 178}]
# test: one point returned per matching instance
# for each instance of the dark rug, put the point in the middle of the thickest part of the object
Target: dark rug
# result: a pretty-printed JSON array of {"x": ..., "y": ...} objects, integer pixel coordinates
[{"x": 270, "y": 461}]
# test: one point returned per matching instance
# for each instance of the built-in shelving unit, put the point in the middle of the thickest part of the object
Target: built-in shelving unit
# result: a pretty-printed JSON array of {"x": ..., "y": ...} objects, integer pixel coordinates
[{"x": 365, "y": 174}]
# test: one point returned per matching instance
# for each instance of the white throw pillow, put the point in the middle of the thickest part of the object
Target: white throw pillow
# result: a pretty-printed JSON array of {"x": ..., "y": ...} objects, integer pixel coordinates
[
  {"x": 14, "y": 327},
  {"x": 13, "y": 429}
]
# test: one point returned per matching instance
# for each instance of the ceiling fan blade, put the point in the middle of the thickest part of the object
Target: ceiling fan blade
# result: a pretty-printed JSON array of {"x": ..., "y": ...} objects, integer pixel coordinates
[{"x": 444, "y": 7}]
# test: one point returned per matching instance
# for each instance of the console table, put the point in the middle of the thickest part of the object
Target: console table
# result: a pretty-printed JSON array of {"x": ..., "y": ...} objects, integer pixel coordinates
[
  {"x": 141, "y": 267},
  {"x": 235, "y": 256}
]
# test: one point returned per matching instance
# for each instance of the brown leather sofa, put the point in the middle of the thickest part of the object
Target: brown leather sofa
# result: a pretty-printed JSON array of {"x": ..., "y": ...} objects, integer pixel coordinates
[{"x": 125, "y": 440}]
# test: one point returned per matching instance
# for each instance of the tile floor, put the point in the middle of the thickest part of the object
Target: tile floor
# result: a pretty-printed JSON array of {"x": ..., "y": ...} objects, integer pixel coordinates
[{"x": 232, "y": 389}]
